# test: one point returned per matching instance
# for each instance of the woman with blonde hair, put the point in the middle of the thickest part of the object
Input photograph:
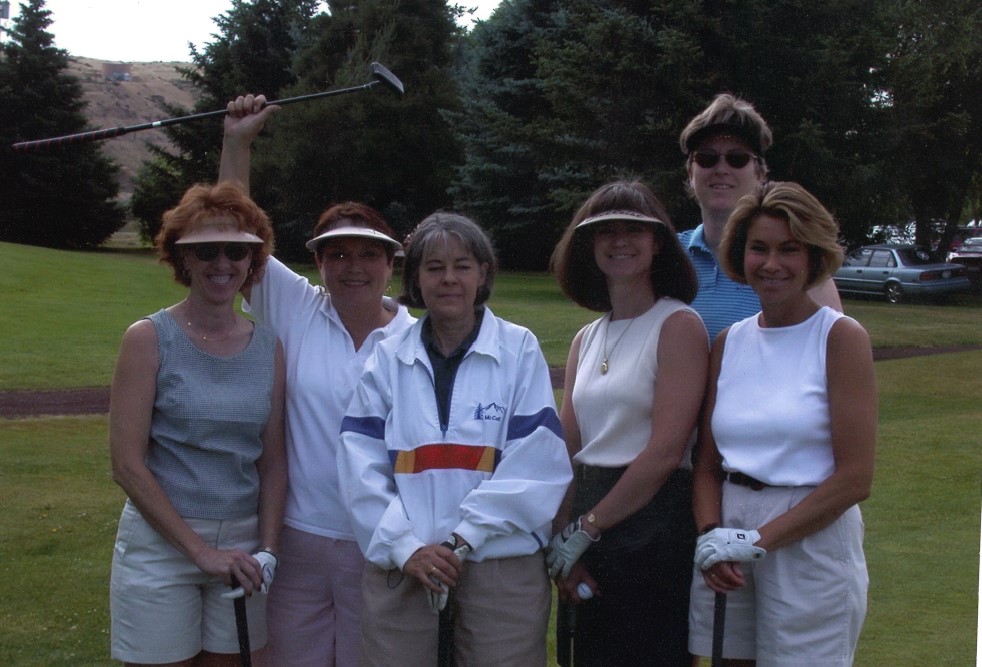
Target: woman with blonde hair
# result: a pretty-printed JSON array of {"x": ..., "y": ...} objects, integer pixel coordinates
[{"x": 786, "y": 449}]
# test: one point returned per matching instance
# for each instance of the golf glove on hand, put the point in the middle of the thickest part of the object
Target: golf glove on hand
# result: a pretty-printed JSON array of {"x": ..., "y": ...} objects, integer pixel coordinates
[
  {"x": 438, "y": 601},
  {"x": 727, "y": 545},
  {"x": 567, "y": 547},
  {"x": 267, "y": 561}
]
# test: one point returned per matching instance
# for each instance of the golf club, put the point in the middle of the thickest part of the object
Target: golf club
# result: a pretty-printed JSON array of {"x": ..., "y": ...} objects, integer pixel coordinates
[
  {"x": 379, "y": 72},
  {"x": 719, "y": 620},
  {"x": 242, "y": 627},
  {"x": 445, "y": 635}
]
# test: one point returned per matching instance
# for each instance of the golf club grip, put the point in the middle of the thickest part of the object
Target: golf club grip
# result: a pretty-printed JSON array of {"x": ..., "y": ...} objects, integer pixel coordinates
[
  {"x": 719, "y": 622},
  {"x": 81, "y": 138},
  {"x": 242, "y": 627}
]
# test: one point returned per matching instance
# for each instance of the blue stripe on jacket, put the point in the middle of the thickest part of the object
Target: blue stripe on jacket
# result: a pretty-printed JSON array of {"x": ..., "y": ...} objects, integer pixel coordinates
[{"x": 521, "y": 426}]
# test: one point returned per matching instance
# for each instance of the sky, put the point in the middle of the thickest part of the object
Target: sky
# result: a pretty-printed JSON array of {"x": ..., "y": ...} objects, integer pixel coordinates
[{"x": 146, "y": 30}]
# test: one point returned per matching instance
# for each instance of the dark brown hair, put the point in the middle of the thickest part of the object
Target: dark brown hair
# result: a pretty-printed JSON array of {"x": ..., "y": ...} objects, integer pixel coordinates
[{"x": 576, "y": 268}]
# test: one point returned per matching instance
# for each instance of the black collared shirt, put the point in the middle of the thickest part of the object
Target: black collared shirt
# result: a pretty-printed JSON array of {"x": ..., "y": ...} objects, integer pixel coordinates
[{"x": 445, "y": 368}]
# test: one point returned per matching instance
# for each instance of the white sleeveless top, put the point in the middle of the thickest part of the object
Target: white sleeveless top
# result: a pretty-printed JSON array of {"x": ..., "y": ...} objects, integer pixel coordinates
[
  {"x": 613, "y": 409},
  {"x": 771, "y": 419}
]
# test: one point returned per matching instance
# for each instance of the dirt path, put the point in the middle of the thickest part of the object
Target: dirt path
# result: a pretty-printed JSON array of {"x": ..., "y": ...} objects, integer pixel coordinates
[{"x": 95, "y": 400}]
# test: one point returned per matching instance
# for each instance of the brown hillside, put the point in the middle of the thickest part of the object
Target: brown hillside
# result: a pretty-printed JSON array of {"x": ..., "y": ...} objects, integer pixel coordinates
[{"x": 133, "y": 102}]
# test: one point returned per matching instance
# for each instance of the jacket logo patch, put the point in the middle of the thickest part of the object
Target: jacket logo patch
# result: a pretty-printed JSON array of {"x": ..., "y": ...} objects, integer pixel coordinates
[{"x": 490, "y": 412}]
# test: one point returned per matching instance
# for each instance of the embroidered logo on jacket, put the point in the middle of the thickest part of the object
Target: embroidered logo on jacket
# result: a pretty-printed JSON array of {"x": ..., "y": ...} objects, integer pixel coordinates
[{"x": 491, "y": 412}]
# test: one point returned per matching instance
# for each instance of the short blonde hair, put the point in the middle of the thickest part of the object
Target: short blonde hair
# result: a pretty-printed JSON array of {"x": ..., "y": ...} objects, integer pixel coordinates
[
  {"x": 728, "y": 114},
  {"x": 808, "y": 222}
]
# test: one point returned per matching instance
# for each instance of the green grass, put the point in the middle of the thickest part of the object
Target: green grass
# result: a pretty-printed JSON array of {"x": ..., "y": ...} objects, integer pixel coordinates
[
  {"x": 60, "y": 512},
  {"x": 64, "y": 313},
  {"x": 61, "y": 507}
]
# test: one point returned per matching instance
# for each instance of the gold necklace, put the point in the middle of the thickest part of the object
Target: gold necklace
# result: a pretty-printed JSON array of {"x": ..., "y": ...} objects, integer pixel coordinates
[
  {"x": 187, "y": 309},
  {"x": 605, "y": 366}
]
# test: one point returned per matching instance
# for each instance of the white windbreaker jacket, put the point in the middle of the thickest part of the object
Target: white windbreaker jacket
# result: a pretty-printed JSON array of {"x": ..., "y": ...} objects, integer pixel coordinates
[{"x": 497, "y": 475}]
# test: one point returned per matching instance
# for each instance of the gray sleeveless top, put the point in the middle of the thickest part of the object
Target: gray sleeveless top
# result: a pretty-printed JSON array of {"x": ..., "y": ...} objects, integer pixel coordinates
[{"x": 208, "y": 417}]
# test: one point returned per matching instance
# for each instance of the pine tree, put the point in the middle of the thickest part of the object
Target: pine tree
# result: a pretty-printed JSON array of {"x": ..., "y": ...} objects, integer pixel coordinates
[
  {"x": 393, "y": 153},
  {"x": 253, "y": 53},
  {"x": 59, "y": 198}
]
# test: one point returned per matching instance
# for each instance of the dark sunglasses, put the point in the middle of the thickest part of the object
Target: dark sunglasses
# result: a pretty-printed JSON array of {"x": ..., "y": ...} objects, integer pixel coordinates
[
  {"x": 208, "y": 252},
  {"x": 736, "y": 159}
]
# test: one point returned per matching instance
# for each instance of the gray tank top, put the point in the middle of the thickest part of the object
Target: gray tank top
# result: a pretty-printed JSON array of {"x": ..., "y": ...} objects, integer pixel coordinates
[{"x": 208, "y": 416}]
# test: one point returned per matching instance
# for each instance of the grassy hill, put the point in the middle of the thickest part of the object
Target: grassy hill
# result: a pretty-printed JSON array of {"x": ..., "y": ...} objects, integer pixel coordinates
[{"x": 124, "y": 103}]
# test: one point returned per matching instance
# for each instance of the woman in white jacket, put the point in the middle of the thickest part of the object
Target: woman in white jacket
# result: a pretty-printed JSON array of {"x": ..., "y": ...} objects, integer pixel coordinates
[{"x": 452, "y": 465}]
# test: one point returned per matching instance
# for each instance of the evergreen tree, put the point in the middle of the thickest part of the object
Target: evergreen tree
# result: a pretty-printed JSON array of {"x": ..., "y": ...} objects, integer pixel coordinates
[
  {"x": 63, "y": 197},
  {"x": 498, "y": 180},
  {"x": 393, "y": 153},
  {"x": 935, "y": 89},
  {"x": 568, "y": 94},
  {"x": 253, "y": 53}
]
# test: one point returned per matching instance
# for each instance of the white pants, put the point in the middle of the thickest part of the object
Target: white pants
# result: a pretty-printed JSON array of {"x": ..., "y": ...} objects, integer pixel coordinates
[{"x": 803, "y": 604}]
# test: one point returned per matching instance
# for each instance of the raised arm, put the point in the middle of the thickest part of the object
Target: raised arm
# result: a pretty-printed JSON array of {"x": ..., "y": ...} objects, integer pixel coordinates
[{"x": 244, "y": 121}]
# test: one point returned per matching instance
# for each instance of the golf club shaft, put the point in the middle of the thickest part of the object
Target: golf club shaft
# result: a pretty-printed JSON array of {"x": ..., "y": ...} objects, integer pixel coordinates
[
  {"x": 719, "y": 622},
  {"x": 381, "y": 74},
  {"x": 445, "y": 635},
  {"x": 242, "y": 626}
]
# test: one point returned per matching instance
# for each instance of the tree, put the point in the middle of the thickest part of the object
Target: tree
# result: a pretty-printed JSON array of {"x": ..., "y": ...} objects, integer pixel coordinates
[
  {"x": 60, "y": 198},
  {"x": 253, "y": 52},
  {"x": 393, "y": 153},
  {"x": 935, "y": 79},
  {"x": 572, "y": 93}
]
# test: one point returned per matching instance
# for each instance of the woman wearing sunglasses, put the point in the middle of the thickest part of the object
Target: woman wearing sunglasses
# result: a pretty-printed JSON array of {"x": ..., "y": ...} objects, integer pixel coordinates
[
  {"x": 725, "y": 146},
  {"x": 196, "y": 442},
  {"x": 328, "y": 331}
]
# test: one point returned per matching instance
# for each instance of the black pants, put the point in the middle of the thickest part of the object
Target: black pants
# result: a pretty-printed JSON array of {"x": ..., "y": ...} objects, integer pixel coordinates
[{"x": 643, "y": 567}]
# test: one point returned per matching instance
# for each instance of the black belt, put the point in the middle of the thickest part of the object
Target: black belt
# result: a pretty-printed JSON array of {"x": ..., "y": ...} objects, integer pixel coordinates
[{"x": 745, "y": 480}]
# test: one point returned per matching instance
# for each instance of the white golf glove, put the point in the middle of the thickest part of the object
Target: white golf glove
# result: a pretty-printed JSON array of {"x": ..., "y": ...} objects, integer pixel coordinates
[
  {"x": 267, "y": 561},
  {"x": 727, "y": 545},
  {"x": 566, "y": 548},
  {"x": 438, "y": 601}
]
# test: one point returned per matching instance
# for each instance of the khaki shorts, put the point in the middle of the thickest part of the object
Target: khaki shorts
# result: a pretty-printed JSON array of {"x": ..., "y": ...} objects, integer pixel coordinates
[
  {"x": 501, "y": 609},
  {"x": 803, "y": 604},
  {"x": 164, "y": 609}
]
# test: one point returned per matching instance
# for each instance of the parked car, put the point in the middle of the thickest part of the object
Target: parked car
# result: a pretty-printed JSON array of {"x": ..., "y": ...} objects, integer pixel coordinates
[
  {"x": 969, "y": 255},
  {"x": 897, "y": 271}
]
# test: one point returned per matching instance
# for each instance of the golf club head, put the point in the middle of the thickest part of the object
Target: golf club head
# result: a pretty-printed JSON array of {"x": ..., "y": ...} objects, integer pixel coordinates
[{"x": 388, "y": 78}]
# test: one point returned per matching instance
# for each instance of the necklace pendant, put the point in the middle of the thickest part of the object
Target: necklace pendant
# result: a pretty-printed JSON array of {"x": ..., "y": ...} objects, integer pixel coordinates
[{"x": 604, "y": 367}]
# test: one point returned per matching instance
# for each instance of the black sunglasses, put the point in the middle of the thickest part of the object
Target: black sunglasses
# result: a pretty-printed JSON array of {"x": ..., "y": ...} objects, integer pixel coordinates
[
  {"x": 207, "y": 252},
  {"x": 736, "y": 159}
]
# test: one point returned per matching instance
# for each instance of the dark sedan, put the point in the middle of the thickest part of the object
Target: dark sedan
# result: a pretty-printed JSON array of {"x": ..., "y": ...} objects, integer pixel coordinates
[{"x": 896, "y": 271}]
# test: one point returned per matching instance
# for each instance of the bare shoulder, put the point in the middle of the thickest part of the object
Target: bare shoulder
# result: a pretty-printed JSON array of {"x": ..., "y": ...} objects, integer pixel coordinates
[
  {"x": 848, "y": 337},
  {"x": 139, "y": 344}
]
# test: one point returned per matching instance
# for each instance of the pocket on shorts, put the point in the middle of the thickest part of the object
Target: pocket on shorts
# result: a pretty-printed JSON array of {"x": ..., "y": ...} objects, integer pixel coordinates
[{"x": 130, "y": 522}]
